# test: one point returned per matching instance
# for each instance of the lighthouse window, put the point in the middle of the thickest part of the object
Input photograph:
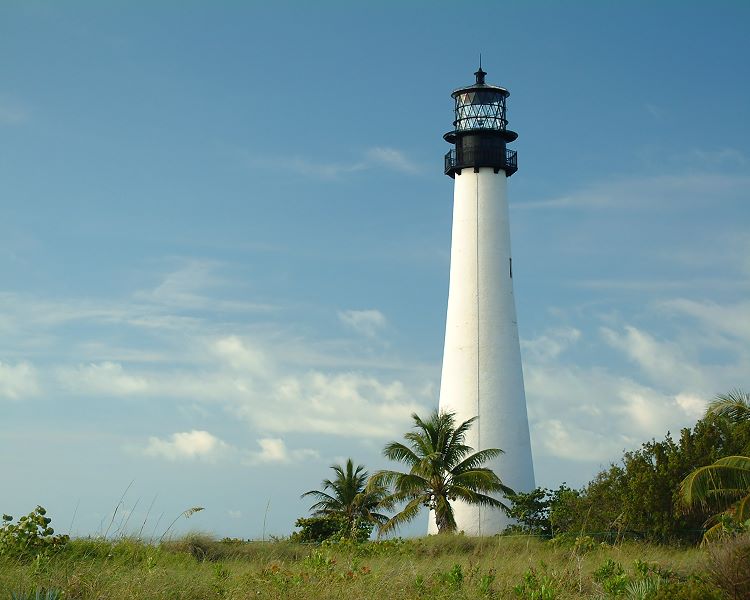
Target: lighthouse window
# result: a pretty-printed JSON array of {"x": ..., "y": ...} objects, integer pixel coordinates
[{"x": 510, "y": 266}]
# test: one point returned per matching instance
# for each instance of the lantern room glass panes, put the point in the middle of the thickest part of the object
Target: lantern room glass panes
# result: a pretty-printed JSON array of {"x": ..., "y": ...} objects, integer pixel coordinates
[{"x": 480, "y": 109}]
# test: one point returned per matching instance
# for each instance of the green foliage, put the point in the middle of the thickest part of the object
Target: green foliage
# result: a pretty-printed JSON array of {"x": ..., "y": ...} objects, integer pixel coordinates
[
  {"x": 536, "y": 586},
  {"x": 431, "y": 568},
  {"x": 640, "y": 498},
  {"x": 692, "y": 589},
  {"x": 442, "y": 469},
  {"x": 724, "y": 484},
  {"x": 531, "y": 512},
  {"x": 317, "y": 529},
  {"x": 544, "y": 512},
  {"x": 453, "y": 578},
  {"x": 30, "y": 537},
  {"x": 350, "y": 502},
  {"x": 733, "y": 406},
  {"x": 612, "y": 577}
]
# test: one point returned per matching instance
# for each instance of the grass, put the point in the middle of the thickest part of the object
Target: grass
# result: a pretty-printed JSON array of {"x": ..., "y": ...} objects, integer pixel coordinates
[{"x": 455, "y": 567}]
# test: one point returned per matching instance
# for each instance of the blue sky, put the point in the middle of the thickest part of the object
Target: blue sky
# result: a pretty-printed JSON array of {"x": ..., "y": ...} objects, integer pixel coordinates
[{"x": 225, "y": 234}]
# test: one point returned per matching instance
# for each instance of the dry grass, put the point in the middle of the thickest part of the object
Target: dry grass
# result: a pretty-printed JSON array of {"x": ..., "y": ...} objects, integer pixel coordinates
[{"x": 197, "y": 567}]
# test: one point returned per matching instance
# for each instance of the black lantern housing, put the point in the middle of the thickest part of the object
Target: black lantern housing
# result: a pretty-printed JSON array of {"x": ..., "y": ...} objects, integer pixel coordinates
[{"x": 480, "y": 130}]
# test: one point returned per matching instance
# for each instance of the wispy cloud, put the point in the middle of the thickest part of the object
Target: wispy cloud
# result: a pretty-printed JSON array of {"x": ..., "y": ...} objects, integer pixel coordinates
[
  {"x": 550, "y": 345},
  {"x": 391, "y": 159},
  {"x": 189, "y": 287},
  {"x": 580, "y": 410},
  {"x": 367, "y": 322},
  {"x": 18, "y": 381},
  {"x": 646, "y": 192},
  {"x": 106, "y": 378}
]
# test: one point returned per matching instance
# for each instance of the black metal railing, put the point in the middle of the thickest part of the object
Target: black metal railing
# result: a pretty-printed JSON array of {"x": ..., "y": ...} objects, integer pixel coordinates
[{"x": 481, "y": 158}]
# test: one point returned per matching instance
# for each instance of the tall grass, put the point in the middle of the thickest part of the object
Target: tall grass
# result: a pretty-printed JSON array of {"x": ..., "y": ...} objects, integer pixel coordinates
[{"x": 457, "y": 567}]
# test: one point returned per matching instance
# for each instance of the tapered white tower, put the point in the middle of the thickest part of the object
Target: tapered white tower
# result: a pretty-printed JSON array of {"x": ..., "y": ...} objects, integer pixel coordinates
[{"x": 482, "y": 373}]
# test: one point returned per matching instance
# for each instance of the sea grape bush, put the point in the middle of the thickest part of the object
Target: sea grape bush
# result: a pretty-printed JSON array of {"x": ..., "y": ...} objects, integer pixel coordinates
[{"x": 30, "y": 537}]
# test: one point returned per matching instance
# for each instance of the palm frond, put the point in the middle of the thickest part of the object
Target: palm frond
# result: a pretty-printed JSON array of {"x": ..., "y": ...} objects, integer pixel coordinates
[
  {"x": 742, "y": 509},
  {"x": 734, "y": 406},
  {"x": 459, "y": 433},
  {"x": 471, "y": 496},
  {"x": 482, "y": 480},
  {"x": 410, "y": 483},
  {"x": 476, "y": 459},
  {"x": 319, "y": 494},
  {"x": 407, "y": 514},
  {"x": 398, "y": 452},
  {"x": 725, "y": 478}
]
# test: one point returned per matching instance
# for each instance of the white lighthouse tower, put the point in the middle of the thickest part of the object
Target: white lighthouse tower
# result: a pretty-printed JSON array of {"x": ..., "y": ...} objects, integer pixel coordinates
[{"x": 482, "y": 375}]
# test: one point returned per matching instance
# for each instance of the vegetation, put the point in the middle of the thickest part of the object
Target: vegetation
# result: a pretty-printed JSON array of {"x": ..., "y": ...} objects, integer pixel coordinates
[
  {"x": 641, "y": 497},
  {"x": 346, "y": 507},
  {"x": 733, "y": 406},
  {"x": 31, "y": 537},
  {"x": 442, "y": 469},
  {"x": 724, "y": 485},
  {"x": 435, "y": 568},
  {"x": 627, "y": 534}
]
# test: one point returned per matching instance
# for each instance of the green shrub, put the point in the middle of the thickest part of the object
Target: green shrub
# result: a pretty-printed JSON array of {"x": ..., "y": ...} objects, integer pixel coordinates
[
  {"x": 453, "y": 578},
  {"x": 536, "y": 586},
  {"x": 692, "y": 589},
  {"x": 30, "y": 537},
  {"x": 612, "y": 577}
]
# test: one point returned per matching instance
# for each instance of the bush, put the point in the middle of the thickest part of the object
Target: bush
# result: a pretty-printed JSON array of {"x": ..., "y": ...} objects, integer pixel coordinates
[
  {"x": 330, "y": 528},
  {"x": 729, "y": 566},
  {"x": 316, "y": 529},
  {"x": 30, "y": 537},
  {"x": 687, "y": 590}
]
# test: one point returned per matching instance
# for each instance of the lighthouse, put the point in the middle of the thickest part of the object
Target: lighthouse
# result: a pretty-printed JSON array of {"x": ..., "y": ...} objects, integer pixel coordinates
[{"x": 482, "y": 375}]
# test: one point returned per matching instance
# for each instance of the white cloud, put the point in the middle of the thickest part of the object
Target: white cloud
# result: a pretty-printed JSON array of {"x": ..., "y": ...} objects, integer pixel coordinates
[
  {"x": 187, "y": 287},
  {"x": 255, "y": 382},
  {"x": 692, "y": 405},
  {"x": 664, "y": 362},
  {"x": 366, "y": 322},
  {"x": 391, "y": 158},
  {"x": 189, "y": 445},
  {"x": 242, "y": 356},
  {"x": 373, "y": 158},
  {"x": 106, "y": 378},
  {"x": 550, "y": 345},
  {"x": 234, "y": 514},
  {"x": 18, "y": 381},
  {"x": 646, "y": 192},
  {"x": 732, "y": 320},
  {"x": 344, "y": 404},
  {"x": 598, "y": 413},
  {"x": 274, "y": 450},
  {"x": 570, "y": 441}
]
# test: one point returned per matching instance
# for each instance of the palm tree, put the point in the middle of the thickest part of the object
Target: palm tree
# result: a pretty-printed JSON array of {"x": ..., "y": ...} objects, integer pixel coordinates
[
  {"x": 442, "y": 468},
  {"x": 725, "y": 484},
  {"x": 349, "y": 498},
  {"x": 734, "y": 405}
]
